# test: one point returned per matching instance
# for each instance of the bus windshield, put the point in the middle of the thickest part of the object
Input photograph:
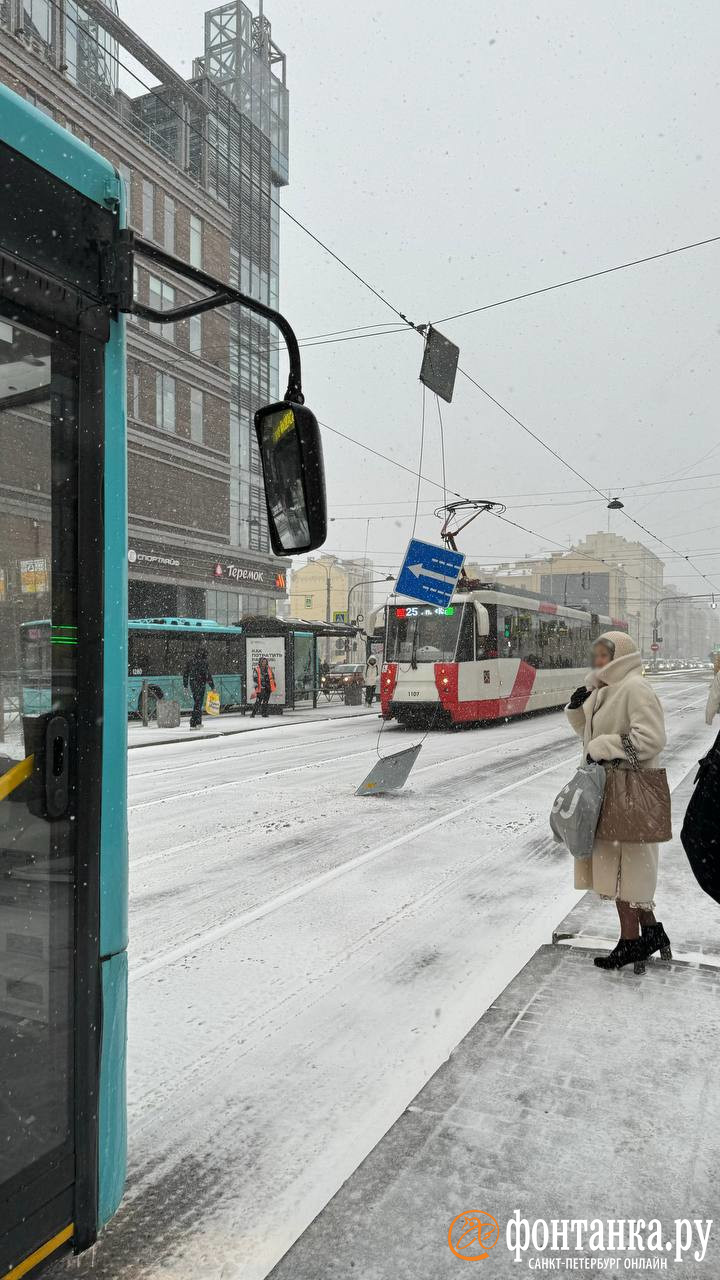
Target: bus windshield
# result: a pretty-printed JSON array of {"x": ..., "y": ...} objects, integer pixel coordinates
[{"x": 422, "y": 633}]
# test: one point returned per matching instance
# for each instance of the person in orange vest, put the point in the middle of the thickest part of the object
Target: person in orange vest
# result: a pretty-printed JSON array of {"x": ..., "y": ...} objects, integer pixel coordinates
[{"x": 265, "y": 685}]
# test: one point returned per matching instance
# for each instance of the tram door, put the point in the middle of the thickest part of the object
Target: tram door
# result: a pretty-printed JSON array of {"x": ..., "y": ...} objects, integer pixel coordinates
[{"x": 50, "y": 633}]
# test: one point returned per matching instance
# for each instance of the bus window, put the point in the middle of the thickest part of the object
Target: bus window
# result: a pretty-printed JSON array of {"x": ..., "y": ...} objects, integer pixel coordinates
[
  {"x": 178, "y": 647},
  {"x": 218, "y": 658},
  {"x": 146, "y": 653}
]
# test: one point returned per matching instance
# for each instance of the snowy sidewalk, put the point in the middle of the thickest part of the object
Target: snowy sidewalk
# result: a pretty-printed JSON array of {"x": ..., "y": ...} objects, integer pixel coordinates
[
  {"x": 578, "y": 1095},
  {"x": 221, "y": 726}
]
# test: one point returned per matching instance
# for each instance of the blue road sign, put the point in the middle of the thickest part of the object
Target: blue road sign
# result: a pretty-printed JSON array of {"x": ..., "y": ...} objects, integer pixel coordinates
[{"x": 429, "y": 573}]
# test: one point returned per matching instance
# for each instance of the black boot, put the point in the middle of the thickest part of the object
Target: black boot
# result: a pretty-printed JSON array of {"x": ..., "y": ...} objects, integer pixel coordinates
[
  {"x": 657, "y": 940},
  {"x": 628, "y": 951}
]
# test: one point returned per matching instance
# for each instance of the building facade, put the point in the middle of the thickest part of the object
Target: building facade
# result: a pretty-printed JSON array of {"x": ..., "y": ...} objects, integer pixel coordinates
[
  {"x": 688, "y": 629},
  {"x": 604, "y": 573},
  {"x": 328, "y": 589},
  {"x": 203, "y": 162}
]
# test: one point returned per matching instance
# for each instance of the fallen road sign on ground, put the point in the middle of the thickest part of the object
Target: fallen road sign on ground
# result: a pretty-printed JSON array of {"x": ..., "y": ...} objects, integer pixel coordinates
[{"x": 390, "y": 773}]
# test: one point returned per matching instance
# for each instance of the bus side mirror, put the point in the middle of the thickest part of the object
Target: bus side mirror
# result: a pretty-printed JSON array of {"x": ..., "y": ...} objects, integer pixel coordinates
[{"x": 291, "y": 454}]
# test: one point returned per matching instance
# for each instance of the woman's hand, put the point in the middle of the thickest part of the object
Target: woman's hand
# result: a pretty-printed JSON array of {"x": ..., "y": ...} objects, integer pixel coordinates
[{"x": 578, "y": 697}]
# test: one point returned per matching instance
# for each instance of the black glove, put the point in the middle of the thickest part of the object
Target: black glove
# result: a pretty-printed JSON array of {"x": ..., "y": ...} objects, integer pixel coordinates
[{"x": 578, "y": 697}]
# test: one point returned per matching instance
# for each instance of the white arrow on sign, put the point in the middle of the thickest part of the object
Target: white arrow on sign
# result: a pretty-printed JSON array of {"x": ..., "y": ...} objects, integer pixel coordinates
[{"x": 420, "y": 571}]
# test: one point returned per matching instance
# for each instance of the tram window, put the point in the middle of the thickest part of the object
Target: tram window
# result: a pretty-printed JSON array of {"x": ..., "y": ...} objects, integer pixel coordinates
[
  {"x": 485, "y": 646},
  {"x": 466, "y": 640},
  {"x": 422, "y": 633}
]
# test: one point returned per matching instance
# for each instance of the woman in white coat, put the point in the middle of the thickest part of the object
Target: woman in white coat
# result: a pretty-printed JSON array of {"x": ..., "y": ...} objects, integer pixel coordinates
[
  {"x": 713, "y": 702},
  {"x": 617, "y": 705}
]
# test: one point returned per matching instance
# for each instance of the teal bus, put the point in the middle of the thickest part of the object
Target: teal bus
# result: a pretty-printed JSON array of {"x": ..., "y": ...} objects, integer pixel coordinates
[
  {"x": 66, "y": 283},
  {"x": 158, "y": 651}
]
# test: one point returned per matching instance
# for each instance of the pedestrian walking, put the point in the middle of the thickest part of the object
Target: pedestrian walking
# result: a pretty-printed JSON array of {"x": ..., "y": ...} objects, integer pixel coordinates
[
  {"x": 265, "y": 686},
  {"x": 371, "y": 679},
  {"x": 197, "y": 677},
  {"x": 713, "y": 703},
  {"x": 619, "y": 718}
]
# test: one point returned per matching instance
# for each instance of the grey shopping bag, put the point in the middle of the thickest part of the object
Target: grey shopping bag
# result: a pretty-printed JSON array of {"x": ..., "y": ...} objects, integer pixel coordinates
[{"x": 576, "y": 811}]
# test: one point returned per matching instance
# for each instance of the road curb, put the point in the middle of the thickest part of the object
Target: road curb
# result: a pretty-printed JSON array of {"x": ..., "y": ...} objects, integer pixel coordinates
[{"x": 229, "y": 733}]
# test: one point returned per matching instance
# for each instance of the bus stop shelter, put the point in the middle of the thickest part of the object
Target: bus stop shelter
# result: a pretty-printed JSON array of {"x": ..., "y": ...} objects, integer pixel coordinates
[{"x": 302, "y": 666}]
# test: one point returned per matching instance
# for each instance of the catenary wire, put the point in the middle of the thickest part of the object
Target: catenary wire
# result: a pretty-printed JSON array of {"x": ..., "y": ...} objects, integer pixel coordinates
[
  {"x": 590, "y": 275},
  {"x": 402, "y": 316},
  {"x": 206, "y": 141}
]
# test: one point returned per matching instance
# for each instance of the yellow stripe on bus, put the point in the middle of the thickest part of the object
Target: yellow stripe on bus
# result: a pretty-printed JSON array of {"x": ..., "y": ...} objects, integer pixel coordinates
[
  {"x": 12, "y": 779},
  {"x": 43, "y": 1252}
]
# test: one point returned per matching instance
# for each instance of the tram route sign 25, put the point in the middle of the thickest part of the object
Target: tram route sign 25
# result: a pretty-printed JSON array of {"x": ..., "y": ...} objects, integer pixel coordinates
[{"x": 429, "y": 573}]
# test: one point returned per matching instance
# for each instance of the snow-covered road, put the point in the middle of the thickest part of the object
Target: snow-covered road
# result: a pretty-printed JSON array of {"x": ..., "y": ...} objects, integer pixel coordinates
[{"x": 303, "y": 960}]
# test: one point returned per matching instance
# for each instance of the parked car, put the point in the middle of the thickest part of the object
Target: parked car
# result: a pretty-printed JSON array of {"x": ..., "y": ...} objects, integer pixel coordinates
[{"x": 341, "y": 675}]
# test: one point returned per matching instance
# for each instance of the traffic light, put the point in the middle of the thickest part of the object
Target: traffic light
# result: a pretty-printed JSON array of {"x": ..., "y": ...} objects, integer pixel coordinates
[{"x": 508, "y": 627}]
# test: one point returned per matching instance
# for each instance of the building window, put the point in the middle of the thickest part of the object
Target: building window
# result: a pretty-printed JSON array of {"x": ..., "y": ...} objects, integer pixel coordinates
[
  {"x": 195, "y": 335},
  {"x": 165, "y": 401},
  {"x": 161, "y": 296},
  {"x": 148, "y": 209},
  {"x": 196, "y": 238},
  {"x": 258, "y": 534},
  {"x": 36, "y": 17},
  {"x": 135, "y": 395},
  {"x": 169, "y": 224},
  {"x": 196, "y": 415},
  {"x": 126, "y": 174}
]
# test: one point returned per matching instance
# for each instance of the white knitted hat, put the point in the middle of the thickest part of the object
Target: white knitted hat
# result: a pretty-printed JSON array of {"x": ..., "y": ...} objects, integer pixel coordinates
[{"x": 619, "y": 643}]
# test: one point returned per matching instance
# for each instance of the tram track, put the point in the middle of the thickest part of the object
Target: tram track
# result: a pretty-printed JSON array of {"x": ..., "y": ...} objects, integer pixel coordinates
[
  {"x": 271, "y": 1011},
  {"x": 301, "y": 849}
]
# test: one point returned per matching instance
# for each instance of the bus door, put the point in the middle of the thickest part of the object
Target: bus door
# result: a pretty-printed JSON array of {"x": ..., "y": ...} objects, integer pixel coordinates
[{"x": 51, "y": 434}]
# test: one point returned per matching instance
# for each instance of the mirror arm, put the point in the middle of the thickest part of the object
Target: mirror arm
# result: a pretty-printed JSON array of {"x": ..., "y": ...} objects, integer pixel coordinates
[{"x": 119, "y": 286}]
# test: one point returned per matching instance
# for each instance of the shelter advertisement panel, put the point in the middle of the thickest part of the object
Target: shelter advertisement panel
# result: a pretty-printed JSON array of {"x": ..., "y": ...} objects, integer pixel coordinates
[{"x": 272, "y": 648}]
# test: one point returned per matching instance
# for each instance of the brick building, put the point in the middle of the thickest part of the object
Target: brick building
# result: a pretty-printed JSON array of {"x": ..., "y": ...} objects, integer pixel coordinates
[{"x": 203, "y": 161}]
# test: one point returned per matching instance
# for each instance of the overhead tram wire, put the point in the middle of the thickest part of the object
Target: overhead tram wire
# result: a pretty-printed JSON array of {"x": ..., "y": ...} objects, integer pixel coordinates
[
  {"x": 206, "y": 141},
  {"x": 386, "y": 458},
  {"x": 680, "y": 554},
  {"x": 562, "y": 284},
  {"x": 595, "y": 559},
  {"x": 591, "y": 275},
  {"x": 420, "y": 329}
]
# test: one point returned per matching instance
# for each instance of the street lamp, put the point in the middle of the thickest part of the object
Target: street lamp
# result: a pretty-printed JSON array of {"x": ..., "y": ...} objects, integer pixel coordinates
[{"x": 328, "y": 567}]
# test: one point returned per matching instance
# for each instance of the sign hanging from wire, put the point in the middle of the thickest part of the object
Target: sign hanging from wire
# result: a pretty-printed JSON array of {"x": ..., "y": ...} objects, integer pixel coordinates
[{"x": 439, "y": 364}]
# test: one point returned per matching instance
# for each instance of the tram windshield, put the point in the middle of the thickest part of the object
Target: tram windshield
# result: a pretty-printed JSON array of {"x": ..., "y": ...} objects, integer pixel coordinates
[{"x": 422, "y": 633}]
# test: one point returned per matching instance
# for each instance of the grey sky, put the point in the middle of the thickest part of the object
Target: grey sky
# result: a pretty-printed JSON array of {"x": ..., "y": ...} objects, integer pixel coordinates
[{"x": 456, "y": 154}]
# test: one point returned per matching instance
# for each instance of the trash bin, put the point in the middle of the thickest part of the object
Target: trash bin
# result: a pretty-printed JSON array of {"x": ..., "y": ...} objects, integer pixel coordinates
[
  {"x": 168, "y": 713},
  {"x": 353, "y": 695}
]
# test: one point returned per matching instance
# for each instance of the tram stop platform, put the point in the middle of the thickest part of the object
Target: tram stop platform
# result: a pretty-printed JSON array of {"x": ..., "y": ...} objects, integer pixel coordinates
[{"x": 579, "y": 1094}]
